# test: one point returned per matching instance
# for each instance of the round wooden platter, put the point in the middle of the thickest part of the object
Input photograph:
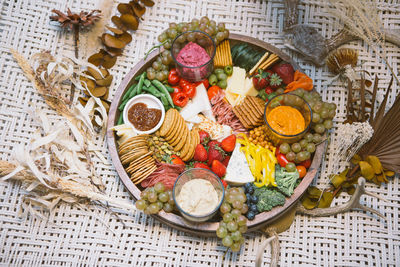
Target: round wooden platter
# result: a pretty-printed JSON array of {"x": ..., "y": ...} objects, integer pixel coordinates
[{"x": 175, "y": 220}]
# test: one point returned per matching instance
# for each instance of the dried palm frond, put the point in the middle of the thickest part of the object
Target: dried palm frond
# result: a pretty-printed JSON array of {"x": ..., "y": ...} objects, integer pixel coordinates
[{"x": 53, "y": 168}]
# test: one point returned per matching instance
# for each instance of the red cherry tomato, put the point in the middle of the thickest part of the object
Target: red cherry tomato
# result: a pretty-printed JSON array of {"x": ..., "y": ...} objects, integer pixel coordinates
[
  {"x": 302, "y": 170},
  {"x": 212, "y": 91},
  {"x": 190, "y": 90},
  {"x": 225, "y": 184},
  {"x": 180, "y": 99},
  {"x": 177, "y": 160},
  {"x": 173, "y": 77},
  {"x": 205, "y": 82},
  {"x": 306, "y": 163},
  {"x": 282, "y": 160}
]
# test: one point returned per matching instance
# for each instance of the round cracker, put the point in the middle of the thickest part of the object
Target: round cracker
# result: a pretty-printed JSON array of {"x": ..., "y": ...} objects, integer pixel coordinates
[
  {"x": 133, "y": 157},
  {"x": 191, "y": 148},
  {"x": 146, "y": 161},
  {"x": 132, "y": 151},
  {"x": 176, "y": 129},
  {"x": 183, "y": 139},
  {"x": 175, "y": 122},
  {"x": 168, "y": 121},
  {"x": 137, "y": 180},
  {"x": 179, "y": 135},
  {"x": 186, "y": 146}
]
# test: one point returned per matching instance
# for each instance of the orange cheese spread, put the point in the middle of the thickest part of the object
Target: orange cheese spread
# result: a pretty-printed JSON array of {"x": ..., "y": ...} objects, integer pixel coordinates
[{"x": 286, "y": 120}]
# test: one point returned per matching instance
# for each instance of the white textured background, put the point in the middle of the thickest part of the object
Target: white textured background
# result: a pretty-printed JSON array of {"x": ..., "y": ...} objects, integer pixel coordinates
[{"x": 73, "y": 237}]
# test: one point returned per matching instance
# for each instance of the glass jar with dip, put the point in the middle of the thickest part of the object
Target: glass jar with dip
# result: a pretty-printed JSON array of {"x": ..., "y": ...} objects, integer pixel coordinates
[
  {"x": 288, "y": 118},
  {"x": 198, "y": 194},
  {"x": 144, "y": 113},
  {"x": 193, "y": 53}
]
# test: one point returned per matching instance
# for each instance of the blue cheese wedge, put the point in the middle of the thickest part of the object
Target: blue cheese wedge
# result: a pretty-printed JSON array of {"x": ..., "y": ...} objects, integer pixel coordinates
[{"x": 238, "y": 170}]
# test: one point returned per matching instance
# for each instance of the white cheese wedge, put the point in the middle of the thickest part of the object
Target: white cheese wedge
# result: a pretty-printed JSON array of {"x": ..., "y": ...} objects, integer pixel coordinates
[
  {"x": 199, "y": 104},
  {"x": 236, "y": 83},
  {"x": 249, "y": 88},
  {"x": 238, "y": 170}
]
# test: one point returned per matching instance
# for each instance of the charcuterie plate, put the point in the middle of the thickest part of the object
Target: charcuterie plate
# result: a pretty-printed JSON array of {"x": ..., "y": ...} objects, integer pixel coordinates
[{"x": 174, "y": 219}]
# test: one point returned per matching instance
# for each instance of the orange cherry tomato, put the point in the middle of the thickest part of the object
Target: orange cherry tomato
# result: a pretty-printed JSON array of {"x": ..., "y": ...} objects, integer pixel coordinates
[
  {"x": 302, "y": 170},
  {"x": 212, "y": 91}
]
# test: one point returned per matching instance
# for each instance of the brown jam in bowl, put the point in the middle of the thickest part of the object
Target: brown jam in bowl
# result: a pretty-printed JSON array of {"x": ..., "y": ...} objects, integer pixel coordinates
[{"x": 143, "y": 118}]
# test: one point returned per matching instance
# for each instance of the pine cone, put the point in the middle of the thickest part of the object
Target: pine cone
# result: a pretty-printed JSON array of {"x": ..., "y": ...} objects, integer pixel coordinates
[{"x": 70, "y": 19}]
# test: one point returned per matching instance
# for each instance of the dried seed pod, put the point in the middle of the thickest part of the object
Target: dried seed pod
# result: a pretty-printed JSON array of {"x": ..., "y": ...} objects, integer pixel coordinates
[
  {"x": 99, "y": 91},
  {"x": 125, "y": 8},
  {"x": 138, "y": 9},
  {"x": 130, "y": 21},
  {"x": 118, "y": 22},
  {"x": 115, "y": 30},
  {"x": 102, "y": 58},
  {"x": 115, "y": 52},
  {"x": 148, "y": 3},
  {"x": 106, "y": 104},
  {"x": 112, "y": 41},
  {"x": 105, "y": 82},
  {"x": 340, "y": 58},
  {"x": 366, "y": 170},
  {"x": 96, "y": 59},
  {"x": 105, "y": 96},
  {"x": 83, "y": 100},
  {"x": 109, "y": 61}
]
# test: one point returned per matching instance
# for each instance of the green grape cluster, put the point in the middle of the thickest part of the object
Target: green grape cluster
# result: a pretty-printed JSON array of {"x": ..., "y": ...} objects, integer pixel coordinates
[
  {"x": 153, "y": 199},
  {"x": 322, "y": 116},
  {"x": 160, "y": 68},
  {"x": 233, "y": 223}
]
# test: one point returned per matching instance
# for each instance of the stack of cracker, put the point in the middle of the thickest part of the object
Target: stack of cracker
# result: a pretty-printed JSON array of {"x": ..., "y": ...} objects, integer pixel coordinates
[
  {"x": 223, "y": 56},
  {"x": 250, "y": 112},
  {"x": 134, "y": 152},
  {"x": 176, "y": 133}
]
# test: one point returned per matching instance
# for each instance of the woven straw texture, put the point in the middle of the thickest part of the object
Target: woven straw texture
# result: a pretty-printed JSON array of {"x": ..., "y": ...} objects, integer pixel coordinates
[{"x": 75, "y": 236}]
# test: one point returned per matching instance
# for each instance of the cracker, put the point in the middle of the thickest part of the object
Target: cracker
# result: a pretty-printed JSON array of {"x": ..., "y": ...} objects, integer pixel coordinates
[
  {"x": 144, "y": 175},
  {"x": 183, "y": 139},
  {"x": 175, "y": 123},
  {"x": 192, "y": 147},
  {"x": 175, "y": 141},
  {"x": 176, "y": 128},
  {"x": 168, "y": 121},
  {"x": 132, "y": 157},
  {"x": 145, "y": 164},
  {"x": 138, "y": 160},
  {"x": 128, "y": 149},
  {"x": 252, "y": 106},
  {"x": 186, "y": 147}
]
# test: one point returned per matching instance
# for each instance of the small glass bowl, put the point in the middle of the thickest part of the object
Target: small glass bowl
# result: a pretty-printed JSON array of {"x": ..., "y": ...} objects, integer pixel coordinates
[
  {"x": 194, "y": 73},
  {"x": 198, "y": 173},
  {"x": 296, "y": 102}
]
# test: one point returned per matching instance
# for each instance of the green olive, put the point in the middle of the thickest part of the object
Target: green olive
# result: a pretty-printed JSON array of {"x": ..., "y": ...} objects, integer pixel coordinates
[
  {"x": 222, "y": 76},
  {"x": 223, "y": 84},
  {"x": 218, "y": 71}
]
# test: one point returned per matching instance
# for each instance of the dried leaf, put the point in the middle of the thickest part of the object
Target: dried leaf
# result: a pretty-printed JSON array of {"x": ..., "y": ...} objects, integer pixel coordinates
[
  {"x": 337, "y": 180},
  {"x": 125, "y": 37},
  {"x": 99, "y": 92},
  {"x": 148, "y": 3},
  {"x": 112, "y": 41},
  {"x": 125, "y": 8},
  {"x": 375, "y": 163},
  {"x": 114, "y": 52},
  {"x": 326, "y": 200},
  {"x": 130, "y": 21},
  {"x": 366, "y": 170},
  {"x": 115, "y": 30},
  {"x": 118, "y": 22},
  {"x": 109, "y": 61},
  {"x": 138, "y": 9},
  {"x": 309, "y": 203},
  {"x": 96, "y": 59}
]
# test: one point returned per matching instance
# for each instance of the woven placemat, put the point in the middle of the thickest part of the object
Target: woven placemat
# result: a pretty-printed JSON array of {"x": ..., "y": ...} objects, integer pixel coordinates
[{"x": 75, "y": 236}]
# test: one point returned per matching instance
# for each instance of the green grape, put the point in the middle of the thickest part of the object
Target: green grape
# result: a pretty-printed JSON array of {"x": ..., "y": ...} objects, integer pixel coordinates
[
  {"x": 319, "y": 128},
  {"x": 241, "y": 220},
  {"x": 160, "y": 205},
  {"x": 296, "y": 147},
  {"x": 204, "y": 20},
  {"x": 147, "y": 210},
  {"x": 307, "y": 155},
  {"x": 331, "y": 106},
  {"x": 279, "y": 91},
  {"x": 241, "y": 191},
  {"x": 316, "y": 95},
  {"x": 159, "y": 76},
  {"x": 315, "y": 117},
  {"x": 324, "y": 113},
  {"x": 144, "y": 194},
  {"x": 165, "y": 60},
  {"x": 291, "y": 156},
  {"x": 202, "y": 27},
  {"x": 241, "y": 241},
  {"x": 243, "y": 229},
  {"x": 317, "y": 138},
  {"x": 309, "y": 137},
  {"x": 317, "y": 107},
  {"x": 241, "y": 196},
  {"x": 328, "y": 124},
  {"x": 225, "y": 208},
  {"x": 168, "y": 44},
  {"x": 151, "y": 75},
  {"x": 195, "y": 21},
  {"x": 171, "y": 199},
  {"x": 222, "y": 224},
  {"x": 232, "y": 226},
  {"x": 141, "y": 204},
  {"x": 173, "y": 25},
  {"x": 235, "y": 247},
  {"x": 227, "y": 241},
  {"x": 162, "y": 37},
  {"x": 284, "y": 148},
  {"x": 236, "y": 213},
  {"x": 290, "y": 167},
  {"x": 230, "y": 198},
  {"x": 152, "y": 197},
  {"x": 209, "y": 31},
  {"x": 213, "y": 23},
  {"x": 244, "y": 209},
  {"x": 163, "y": 197},
  {"x": 226, "y": 33},
  {"x": 297, "y": 159},
  {"x": 310, "y": 148},
  {"x": 168, "y": 207},
  {"x": 303, "y": 143},
  {"x": 307, "y": 97},
  {"x": 220, "y": 36},
  {"x": 299, "y": 92},
  {"x": 332, "y": 113},
  {"x": 237, "y": 204},
  {"x": 153, "y": 208},
  {"x": 221, "y": 26},
  {"x": 181, "y": 39},
  {"x": 301, "y": 156},
  {"x": 325, "y": 105},
  {"x": 236, "y": 235},
  {"x": 191, "y": 37},
  {"x": 227, "y": 217},
  {"x": 222, "y": 232},
  {"x": 179, "y": 27},
  {"x": 165, "y": 74},
  {"x": 159, "y": 187}
]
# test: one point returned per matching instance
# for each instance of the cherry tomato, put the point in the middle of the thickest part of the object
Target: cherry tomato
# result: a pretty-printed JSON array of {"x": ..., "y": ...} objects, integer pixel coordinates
[
  {"x": 282, "y": 160},
  {"x": 277, "y": 152},
  {"x": 306, "y": 163},
  {"x": 212, "y": 91},
  {"x": 177, "y": 160},
  {"x": 180, "y": 99},
  {"x": 224, "y": 183},
  {"x": 190, "y": 90},
  {"x": 302, "y": 170},
  {"x": 204, "y": 82},
  {"x": 183, "y": 83},
  {"x": 268, "y": 90},
  {"x": 173, "y": 77}
]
